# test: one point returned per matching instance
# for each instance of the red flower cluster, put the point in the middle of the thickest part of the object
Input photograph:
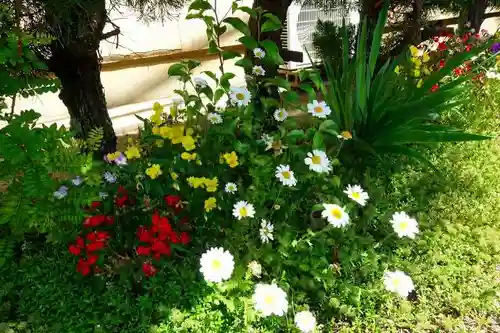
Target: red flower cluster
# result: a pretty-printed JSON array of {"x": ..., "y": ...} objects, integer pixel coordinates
[
  {"x": 122, "y": 197},
  {"x": 86, "y": 248},
  {"x": 97, "y": 220}
]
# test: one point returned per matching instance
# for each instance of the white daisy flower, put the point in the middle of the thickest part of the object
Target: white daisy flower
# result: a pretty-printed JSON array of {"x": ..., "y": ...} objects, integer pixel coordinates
[
  {"x": 240, "y": 96},
  {"x": 103, "y": 195},
  {"x": 109, "y": 177},
  {"x": 318, "y": 161},
  {"x": 77, "y": 181},
  {"x": 255, "y": 268},
  {"x": 335, "y": 215},
  {"x": 305, "y": 321},
  {"x": 270, "y": 299},
  {"x": 266, "y": 231},
  {"x": 214, "y": 118},
  {"x": 231, "y": 188},
  {"x": 318, "y": 109},
  {"x": 357, "y": 194},
  {"x": 404, "y": 225},
  {"x": 259, "y": 53},
  {"x": 200, "y": 82},
  {"x": 398, "y": 282},
  {"x": 243, "y": 209},
  {"x": 216, "y": 265},
  {"x": 285, "y": 175},
  {"x": 258, "y": 71},
  {"x": 280, "y": 114}
]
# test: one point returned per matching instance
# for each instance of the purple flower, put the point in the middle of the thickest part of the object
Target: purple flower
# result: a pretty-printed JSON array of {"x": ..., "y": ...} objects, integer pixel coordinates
[{"x": 495, "y": 48}]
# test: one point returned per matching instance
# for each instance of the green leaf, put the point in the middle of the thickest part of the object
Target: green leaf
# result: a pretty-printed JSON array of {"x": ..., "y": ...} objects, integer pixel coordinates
[
  {"x": 224, "y": 80},
  {"x": 200, "y": 5},
  {"x": 249, "y": 42},
  {"x": 330, "y": 127},
  {"x": 245, "y": 63},
  {"x": 421, "y": 136},
  {"x": 309, "y": 89},
  {"x": 212, "y": 47},
  {"x": 318, "y": 142},
  {"x": 227, "y": 55},
  {"x": 178, "y": 69},
  {"x": 238, "y": 24},
  {"x": 272, "y": 51},
  {"x": 218, "y": 94},
  {"x": 248, "y": 10},
  {"x": 270, "y": 25},
  {"x": 211, "y": 75},
  {"x": 220, "y": 30},
  {"x": 296, "y": 135}
]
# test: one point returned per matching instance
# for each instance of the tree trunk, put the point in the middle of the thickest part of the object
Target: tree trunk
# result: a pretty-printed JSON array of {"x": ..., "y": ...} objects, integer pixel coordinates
[
  {"x": 83, "y": 94},
  {"x": 75, "y": 61},
  {"x": 475, "y": 17},
  {"x": 413, "y": 34}
]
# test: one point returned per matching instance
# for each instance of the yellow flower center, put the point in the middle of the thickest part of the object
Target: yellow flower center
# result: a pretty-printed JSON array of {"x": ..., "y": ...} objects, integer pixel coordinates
[
  {"x": 336, "y": 213},
  {"x": 216, "y": 264},
  {"x": 240, "y": 96},
  {"x": 286, "y": 174},
  {"x": 403, "y": 225},
  {"x": 243, "y": 211},
  {"x": 396, "y": 282},
  {"x": 356, "y": 195},
  {"x": 269, "y": 299},
  {"x": 316, "y": 159},
  {"x": 318, "y": 109}
]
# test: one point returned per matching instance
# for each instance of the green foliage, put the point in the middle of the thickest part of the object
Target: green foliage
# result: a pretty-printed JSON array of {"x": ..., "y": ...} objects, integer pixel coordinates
[
  {"x": 384, "y": 111},
  {"x": 328, "y": 42}
]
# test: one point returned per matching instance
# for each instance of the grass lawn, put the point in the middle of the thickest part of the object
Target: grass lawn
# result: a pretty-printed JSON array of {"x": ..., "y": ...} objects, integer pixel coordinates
[{"x": 454, "y": 263}]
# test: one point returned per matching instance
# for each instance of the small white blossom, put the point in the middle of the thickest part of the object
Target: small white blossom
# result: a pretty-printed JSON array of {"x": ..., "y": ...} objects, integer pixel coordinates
[
  {"x": 231, "y": 188},
  {"x": 217, "y": 265},
  {"x": 255, "y": 268},
  {"x": 200, "y": 82},
  {"x": 240, "y": 96},
  {"x": 318, "y": 109},
  {"x": 266, "y": 231},
  {"x": 109, "y": 177},
  {"x": 399, "y": 283},
  {"x": 214, "y": 118},
  {"x": 270, "y": 299},
  {"x": 335, "y": 215},
  {"x": 318, "y": 161},
  {"x": 77, "y": 181},
  {"x": 305, "y": 321},
  {"x": 404, "y": 225},
  {"x": 285, "y": 175},
  {"x": 258, "y": 71},
  {"x": 357, "y": 194},
  {"x": 268, "y": 140},
  {"x": 280, "y": 114},
  {"x": 259, "y": 53},
  {"x": 243, "y": 209},
  {"x": 61, "y": 192}
]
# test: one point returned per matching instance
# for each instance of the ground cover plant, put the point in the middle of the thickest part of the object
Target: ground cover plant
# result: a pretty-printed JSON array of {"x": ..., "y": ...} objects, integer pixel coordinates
[{"x": 223, "y": 216}]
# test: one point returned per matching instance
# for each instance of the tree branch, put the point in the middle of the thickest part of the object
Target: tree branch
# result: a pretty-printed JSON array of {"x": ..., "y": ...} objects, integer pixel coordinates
[{"x": 115, "y": 32}]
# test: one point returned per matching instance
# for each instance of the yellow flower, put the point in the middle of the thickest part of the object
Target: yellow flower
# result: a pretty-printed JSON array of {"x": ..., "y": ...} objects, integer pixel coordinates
[
  {"x": 177, "y": 133},
  {"x": 188, "y": 142},
  {"x": 113, "y": 156},
  {"x": 156, "y": 117},
  {"x": 413, "y": 50},
  {"x": 416, "y": 62},
  {"x": 210, "y": 204},
  {"x": 189, "y": 131},
  {"x": 346, "y": 135},
  {"x": 132, "y": 152},
  {"x": 173, "y": 111},
  {"x": 195, "y": 182},
  {"x": 211, "y": 184},
  {"x": 154, "y": 171},
  {"x": 188, "y": 157},
  {"x": 157, "y": 107},
  {"x": 231, "y": 159},
  {"x": 416, "y": 73},
  {"x": 174, "y": 175},
  {"x": 420, "y": 83},
  {"x": 425, "y": 57},
  {"x": 397, "y": 70},
  {"x": 427, "y": 71},
  {"x": 156, "y": 130}
]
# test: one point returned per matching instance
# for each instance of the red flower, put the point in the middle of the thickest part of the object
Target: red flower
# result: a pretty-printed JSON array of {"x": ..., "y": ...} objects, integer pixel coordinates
[
  {"x": 185, "y": 239},
  {"x": 122, "y": 198},
  {"x": 110, "y": 220},
  {"x": 83, "y": 267},
  {"x": 80, "y": 242},
  {"x": 94, "y": 221},
  {"x": 175, "y": 238},
  {"x": 95, "y": 204},
  {"x": 102, "y": 235},
  {"x": 161, "y": 247},
  {"x": 441, "y": 63},
  {"x": 442, "y": 46},
  {"x": 148, "y": 269},
  {"x": 143, "y": 234},
  {"x": 458, "y": 71},
  {"x": 468, "y": 47},
  {"x": 143, "y": 250},
  {"x": 435, "y": 87},
  {"x": 74, "y": 249},
  {"x": 92, "y": 259},
  {"x": 172, "y": 200},
  {"x": 96, "y": 246}
]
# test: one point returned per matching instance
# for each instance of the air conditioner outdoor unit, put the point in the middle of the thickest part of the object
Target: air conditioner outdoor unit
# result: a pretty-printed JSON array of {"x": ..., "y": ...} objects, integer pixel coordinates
[{"x": 300, "y": 24}]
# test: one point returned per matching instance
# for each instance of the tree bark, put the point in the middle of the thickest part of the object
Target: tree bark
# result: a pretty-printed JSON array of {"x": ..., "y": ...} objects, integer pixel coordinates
[
  {"x": 76, "y": 62},
  {"x": 475, "y": 17}
]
